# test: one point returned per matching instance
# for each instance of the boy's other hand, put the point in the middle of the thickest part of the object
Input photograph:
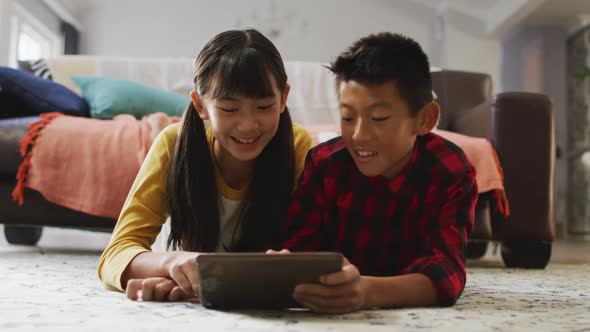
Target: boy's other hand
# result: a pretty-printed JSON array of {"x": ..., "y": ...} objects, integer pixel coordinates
[
  {"x": 338, "y": 293},
  {"x": 274, "y": 252},
  {"x": 155, "y": 289}
]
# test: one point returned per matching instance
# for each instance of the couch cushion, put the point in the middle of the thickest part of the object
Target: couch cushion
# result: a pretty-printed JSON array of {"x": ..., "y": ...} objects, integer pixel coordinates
[
  {"x": 11, "y": 107},
  {"x": 24, "y": 94},
  {"x": 11, "y": 132},
  {"x": 109, "y": 97}
]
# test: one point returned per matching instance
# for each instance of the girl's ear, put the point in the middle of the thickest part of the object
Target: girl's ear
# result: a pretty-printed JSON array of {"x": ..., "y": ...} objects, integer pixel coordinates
[
  {"x": 198, "y": 104},
  {"x": 285, "y": 96},
  {"x": 428, "y": 117}
]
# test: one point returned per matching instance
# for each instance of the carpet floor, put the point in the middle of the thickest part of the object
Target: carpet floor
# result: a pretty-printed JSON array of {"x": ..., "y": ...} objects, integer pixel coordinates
[{"x": 46, "y": 290}]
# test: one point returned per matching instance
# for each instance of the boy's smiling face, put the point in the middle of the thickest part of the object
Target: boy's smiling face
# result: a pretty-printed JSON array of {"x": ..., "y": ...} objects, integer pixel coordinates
[{"x": 378, "y": 127}]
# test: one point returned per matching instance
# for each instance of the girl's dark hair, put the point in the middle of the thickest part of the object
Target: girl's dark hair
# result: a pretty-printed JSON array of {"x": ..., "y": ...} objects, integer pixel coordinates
[
  {"x": 233, "y": 63},
  {"x": 383, "y": 57}
]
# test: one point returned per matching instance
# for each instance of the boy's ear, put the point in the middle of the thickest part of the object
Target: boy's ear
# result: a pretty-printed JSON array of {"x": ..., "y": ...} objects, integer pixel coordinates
[
  {"x": 285, "y": 97},
  {"x": 198, "y": 104},
  {"x": 428, "y": 118}
]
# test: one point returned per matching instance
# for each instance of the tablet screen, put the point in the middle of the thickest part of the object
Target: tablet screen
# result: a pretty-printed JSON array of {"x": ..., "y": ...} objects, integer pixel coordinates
[{"x": 258, "y": 280}]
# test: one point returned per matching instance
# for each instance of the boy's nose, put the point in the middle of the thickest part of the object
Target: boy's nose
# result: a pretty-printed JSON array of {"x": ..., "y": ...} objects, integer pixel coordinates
[{"x": 361, "y": 133}]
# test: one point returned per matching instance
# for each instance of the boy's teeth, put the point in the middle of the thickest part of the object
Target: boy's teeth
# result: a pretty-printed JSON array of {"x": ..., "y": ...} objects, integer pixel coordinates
[{"x": 366, "y": 154}]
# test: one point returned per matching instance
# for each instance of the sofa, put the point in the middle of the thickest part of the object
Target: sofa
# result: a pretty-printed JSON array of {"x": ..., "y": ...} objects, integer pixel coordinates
[{"x": 520, "y": 126}]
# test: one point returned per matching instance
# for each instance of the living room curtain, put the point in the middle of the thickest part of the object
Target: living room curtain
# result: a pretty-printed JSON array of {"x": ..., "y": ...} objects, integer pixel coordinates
[{"x": 71, "y": 38}]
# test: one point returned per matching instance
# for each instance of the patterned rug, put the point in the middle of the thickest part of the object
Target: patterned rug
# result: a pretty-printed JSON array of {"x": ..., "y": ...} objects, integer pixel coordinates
[{"x": 45, "y": 290}]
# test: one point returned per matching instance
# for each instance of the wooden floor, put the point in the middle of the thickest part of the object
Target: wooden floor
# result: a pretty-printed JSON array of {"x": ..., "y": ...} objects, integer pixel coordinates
[{"x": 563, "y": 251}]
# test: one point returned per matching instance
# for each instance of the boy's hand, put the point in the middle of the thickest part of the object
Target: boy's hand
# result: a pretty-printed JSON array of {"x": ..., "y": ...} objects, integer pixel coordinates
[
  {"x": 155, "y": 289},
  {"x": 338, "y": 293},
  {"x": 274, "y": 252}
]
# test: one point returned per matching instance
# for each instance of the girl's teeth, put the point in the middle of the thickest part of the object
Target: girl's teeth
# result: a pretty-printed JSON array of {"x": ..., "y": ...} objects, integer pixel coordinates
[
  {"x": 366, "y": 154},
  {"x": 246, "y": 141}
]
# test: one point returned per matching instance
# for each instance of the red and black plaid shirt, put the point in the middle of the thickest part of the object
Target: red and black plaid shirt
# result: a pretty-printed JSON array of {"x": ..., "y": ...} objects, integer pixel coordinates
[{"x": 417, "y": 222}]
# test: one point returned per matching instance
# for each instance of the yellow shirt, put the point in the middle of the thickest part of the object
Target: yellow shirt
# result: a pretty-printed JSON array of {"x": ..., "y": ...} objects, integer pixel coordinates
[{"x": 145, "y": 209}]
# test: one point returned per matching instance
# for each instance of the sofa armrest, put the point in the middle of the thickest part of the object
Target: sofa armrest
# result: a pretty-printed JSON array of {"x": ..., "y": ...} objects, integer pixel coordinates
[
  {"x": 523, "y": 132},
  {"x": 521, "y": 127}
]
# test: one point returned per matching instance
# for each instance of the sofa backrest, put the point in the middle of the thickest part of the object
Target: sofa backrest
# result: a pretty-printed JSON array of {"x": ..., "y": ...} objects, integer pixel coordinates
[
  {"x": 457, "y": 92},
  {"x": 312, "y": 100}
]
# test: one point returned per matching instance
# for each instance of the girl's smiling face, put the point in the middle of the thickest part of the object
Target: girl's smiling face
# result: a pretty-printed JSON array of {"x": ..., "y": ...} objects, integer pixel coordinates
[{"x": 242, "y": 126}]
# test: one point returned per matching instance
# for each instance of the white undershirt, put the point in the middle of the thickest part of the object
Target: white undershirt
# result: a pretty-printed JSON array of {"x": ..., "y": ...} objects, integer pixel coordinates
[{"x": 228, "y": 217}]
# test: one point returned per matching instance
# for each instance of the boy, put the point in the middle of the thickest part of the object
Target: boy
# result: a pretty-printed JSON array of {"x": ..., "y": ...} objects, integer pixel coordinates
[{"x": 396, "y": 200}]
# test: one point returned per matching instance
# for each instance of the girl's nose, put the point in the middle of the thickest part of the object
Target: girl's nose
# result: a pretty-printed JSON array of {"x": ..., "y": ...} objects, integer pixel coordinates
[{"x": 248, "y": 123}]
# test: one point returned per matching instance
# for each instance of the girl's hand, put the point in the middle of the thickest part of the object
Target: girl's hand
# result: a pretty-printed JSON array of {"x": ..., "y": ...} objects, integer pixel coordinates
[
  {"x": 154, "y": 289},
  {"x": 338, "y": 293},
  {"x": 182, "y": 269}
]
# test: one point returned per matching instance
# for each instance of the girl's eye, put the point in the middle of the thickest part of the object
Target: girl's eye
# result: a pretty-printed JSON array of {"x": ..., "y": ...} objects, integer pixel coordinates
[
  {"x": 265, "y": 107},
  {"x": 381, "y": 119},
  {"x": 228, "y": 110},
  {"x": 344, "y": 119}
]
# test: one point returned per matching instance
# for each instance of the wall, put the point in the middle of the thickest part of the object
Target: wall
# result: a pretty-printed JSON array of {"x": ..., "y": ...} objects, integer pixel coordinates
[
  {"x": 308, "y": 30},
  {"x": 534, "y": 60},
  {"x": 40, "y": 11},
  {"x": 471, "y": 52}
]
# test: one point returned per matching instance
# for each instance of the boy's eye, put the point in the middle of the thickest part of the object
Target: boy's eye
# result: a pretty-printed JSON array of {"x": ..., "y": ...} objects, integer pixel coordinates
[{"x": 380, "y": 119}]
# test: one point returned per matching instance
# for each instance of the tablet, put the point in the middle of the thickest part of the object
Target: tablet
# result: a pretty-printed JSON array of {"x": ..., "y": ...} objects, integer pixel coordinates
[{"x": 258, "y": 280}]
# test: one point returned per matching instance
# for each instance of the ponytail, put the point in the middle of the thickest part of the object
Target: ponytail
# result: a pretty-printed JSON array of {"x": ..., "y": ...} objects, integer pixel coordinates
[{"x": 192, "y": 191}]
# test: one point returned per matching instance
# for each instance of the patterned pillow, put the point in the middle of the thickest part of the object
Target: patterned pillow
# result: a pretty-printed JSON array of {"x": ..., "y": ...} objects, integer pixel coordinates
[{"x": 39, "y": 68}]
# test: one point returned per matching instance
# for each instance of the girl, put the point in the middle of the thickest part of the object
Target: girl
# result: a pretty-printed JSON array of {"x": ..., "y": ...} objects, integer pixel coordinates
[{"x": 225, "y": 187}]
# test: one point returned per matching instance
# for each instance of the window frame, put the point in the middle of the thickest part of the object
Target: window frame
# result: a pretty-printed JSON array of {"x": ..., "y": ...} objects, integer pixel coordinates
[{"x": 21, "y": 20}]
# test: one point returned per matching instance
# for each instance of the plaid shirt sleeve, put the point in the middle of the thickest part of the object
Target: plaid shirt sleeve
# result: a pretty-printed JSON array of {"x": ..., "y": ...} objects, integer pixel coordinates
[
  {"x": 305, "y": 216},
  {"x": 442, "y": 256}
]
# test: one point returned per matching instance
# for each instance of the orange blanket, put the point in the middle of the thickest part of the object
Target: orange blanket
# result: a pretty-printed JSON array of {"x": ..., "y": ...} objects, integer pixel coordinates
[
  {"x": 89, "y": 165},
  {"x": 489, "y": 174},
  {"x": 481, "y": 153},
  {"x": 83, "y": 164}
]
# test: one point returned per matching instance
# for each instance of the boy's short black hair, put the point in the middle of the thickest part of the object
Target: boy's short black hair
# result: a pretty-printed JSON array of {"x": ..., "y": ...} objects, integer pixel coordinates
[{"x": 383, "y": 57}]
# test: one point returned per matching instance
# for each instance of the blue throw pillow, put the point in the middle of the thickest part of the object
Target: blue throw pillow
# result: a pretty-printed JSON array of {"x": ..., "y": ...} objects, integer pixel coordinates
[
  {"x": 24, "y": 94},
  {"x": 109, "y": 97}
]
